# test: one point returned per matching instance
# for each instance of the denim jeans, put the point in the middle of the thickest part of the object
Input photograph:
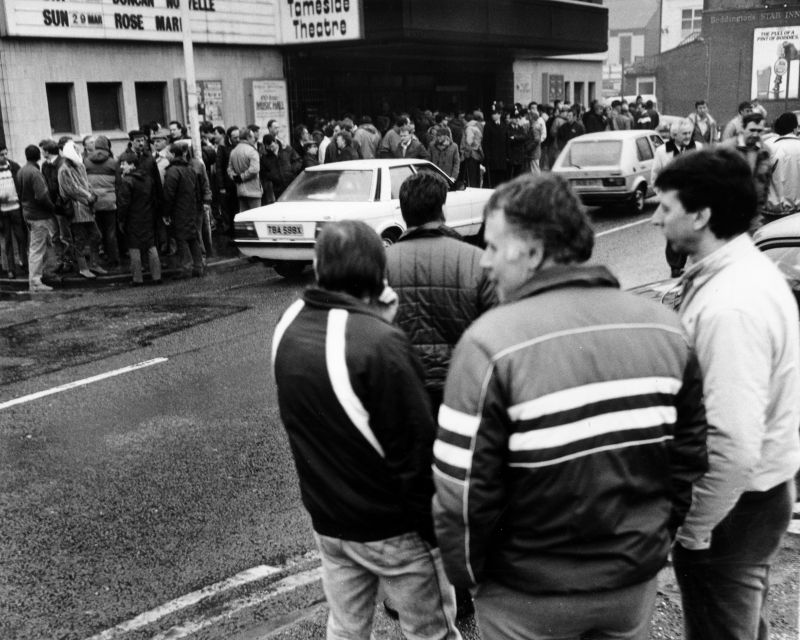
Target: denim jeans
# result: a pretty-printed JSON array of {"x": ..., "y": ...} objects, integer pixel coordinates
[
  {"x": 411, "y": 574},
  {"x": 41, "y": 234},
  {"x": 724, "y": 588},
  {"x": 621, "y": 614}
]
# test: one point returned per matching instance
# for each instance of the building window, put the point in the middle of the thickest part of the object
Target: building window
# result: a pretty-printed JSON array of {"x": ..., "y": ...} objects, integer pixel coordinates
[
  {"x": 592, "y": 91},
  {"x": 568, "y": 92},
  {"x": 104, "y": 105},
  {"x": 646, "y": 86},
  {"x": 150, "y": 98},
  {"x": 691, "y": 21},
  {"x": 625, "y": 49},
  {"x": 579, "y": 97},
  {"x": 59, "y": 104}
]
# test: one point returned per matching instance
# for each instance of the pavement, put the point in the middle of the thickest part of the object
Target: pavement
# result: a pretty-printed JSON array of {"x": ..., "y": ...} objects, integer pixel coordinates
[{"x": 225, "y": 257}]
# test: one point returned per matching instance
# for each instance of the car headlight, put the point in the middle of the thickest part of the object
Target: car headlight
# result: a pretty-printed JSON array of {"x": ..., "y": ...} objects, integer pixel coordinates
[
  {"x": 613, "y": 182},
  {"x": 244, "y": 230}
]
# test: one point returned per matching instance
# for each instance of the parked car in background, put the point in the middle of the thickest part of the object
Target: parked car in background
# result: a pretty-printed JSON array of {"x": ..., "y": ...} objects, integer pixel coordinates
[
  {"x": 610, "y": 167},
  {"x": 283, "y": 234},
  {"x": 780, "y": 242}
]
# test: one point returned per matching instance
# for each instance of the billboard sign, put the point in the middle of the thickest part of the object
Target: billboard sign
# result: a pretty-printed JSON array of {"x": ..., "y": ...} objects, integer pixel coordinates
[
  {"x": 253, "y": 22},
  {"x": 776, "y": 64}
]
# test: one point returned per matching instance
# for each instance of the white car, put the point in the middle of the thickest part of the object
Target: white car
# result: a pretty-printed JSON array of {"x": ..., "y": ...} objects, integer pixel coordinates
[
  {"x": 610, "y": 167},
  {"x": 283, "y": 234}
]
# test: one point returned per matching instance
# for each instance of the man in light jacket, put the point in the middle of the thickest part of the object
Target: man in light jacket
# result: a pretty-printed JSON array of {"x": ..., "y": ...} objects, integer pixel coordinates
[{"x": 244, "y": 168}]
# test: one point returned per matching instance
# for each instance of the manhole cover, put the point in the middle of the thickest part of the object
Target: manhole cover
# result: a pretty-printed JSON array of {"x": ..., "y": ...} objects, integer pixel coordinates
[{"x": 48, "y": 344}]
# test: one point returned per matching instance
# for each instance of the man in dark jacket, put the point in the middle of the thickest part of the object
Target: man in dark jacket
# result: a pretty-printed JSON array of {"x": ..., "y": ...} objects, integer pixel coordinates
[
  {"x": 37, "y": 209},
  {"x": 571, "y": 431},
  {"x": 182, "y": 200},
  {"x": 495, "y": 150},
  {"x": 136, "y": 213},
  {"x": 441, "y": 286},
  {"x": 352, "y": 402}
]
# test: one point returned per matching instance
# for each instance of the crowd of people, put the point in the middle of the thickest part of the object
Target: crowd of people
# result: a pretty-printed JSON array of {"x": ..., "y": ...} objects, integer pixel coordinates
[
  {"x": 164, "y": 199},
  {"x": 577, "y": 447}
]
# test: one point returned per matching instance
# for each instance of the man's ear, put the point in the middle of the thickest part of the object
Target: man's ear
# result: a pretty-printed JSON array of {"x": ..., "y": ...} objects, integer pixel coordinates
[{"x": 702, "y": 219}]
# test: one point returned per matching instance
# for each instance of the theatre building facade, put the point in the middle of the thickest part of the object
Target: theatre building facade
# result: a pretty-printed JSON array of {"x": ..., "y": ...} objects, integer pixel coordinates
[{"x": 105, "y": 66}]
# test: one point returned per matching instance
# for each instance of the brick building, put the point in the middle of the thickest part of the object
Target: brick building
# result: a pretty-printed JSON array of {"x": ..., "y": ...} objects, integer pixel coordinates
[{"x": 734, "y": 58}]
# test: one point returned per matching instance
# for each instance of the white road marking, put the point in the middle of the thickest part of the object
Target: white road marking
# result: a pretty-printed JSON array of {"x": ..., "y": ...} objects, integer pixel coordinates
[
  {"x": 192, "y": 628},
  {"x": 80, "y": 383},
  {"x": 622, "y": 228},
  {"x": 149, "y": 617}
]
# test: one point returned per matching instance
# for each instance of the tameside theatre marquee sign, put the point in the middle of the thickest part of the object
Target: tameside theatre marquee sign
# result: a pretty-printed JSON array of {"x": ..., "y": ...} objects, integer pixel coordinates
[{"x": 258, "y": 22}]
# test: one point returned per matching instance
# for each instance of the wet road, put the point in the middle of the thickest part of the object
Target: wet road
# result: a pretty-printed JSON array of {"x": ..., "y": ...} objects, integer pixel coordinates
[{"x": 130, "y": 490}]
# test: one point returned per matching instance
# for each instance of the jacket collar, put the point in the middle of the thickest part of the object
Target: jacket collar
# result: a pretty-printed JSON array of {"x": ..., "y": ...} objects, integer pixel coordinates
[
  {"x": 430, "y": 230},
  {"x": 560, "y": 276},
  {"x": 323, "y": 299},
  {"x": 701, "y": 272}
]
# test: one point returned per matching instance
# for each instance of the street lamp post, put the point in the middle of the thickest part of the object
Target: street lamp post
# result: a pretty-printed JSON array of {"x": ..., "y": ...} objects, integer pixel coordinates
[{"x": 191, "y": 84}]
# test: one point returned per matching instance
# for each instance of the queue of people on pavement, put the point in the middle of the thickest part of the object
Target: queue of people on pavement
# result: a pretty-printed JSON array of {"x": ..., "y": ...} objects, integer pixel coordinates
[{"x": 576, "y": 448}]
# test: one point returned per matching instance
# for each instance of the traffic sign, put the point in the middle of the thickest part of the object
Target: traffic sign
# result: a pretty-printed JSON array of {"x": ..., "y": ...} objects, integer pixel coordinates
[{"x": 781, "y": 65}]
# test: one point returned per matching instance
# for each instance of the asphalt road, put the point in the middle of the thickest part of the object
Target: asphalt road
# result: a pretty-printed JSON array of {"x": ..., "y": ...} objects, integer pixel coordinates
[{"x": 128, "y": 491}]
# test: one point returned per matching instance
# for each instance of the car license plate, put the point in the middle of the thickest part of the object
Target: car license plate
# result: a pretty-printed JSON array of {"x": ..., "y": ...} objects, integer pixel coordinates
[
  {"x": 586, "y": 183},
  {"x": 285, "y": 229}
]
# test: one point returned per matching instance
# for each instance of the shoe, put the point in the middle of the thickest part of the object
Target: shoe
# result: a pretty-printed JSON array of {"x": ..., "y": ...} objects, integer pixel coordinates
[
  {"x": 87, "y": 274},
  {"x": 98, "y": 270},
  {"x": 676, "y": 273},
  {"x": 39, "y": 287},
  {"x": 392, "y": 613}
]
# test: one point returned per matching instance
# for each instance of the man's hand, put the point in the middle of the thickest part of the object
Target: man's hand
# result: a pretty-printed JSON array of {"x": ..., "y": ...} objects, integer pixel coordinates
[{"x": 237, "y": 179}]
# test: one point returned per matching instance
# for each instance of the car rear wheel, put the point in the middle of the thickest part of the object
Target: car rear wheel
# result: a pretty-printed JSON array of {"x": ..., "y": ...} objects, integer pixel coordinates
[
  {"x": 289, "y": 268},
  {"x": 639, "y": 196}
]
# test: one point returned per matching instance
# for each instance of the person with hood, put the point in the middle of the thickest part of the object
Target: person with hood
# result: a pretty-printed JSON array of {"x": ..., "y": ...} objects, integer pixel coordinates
[
  {"x": 101, "y": 170},
  {"x": 73, "y": 187},
  {"x": 182, "y": 199},
  {"x": 444, "y": 152},
  {"x": 472, "y": 149},
  {"x": 367, "y": 137},
  {"x": 136, "y": 214}
]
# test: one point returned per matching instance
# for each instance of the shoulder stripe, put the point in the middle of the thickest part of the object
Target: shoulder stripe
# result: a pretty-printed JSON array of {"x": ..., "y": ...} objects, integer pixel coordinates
[
  {"x": 588, "y": 452},
  {"x": 592, "y": 427},
  {"x": 575, "y": 397},
  {"x": 451, "y": 455},
  {"x": 335, "y": 358},
  {"x": 584, "y": 330},
  {"x": 288, "y": 317}
]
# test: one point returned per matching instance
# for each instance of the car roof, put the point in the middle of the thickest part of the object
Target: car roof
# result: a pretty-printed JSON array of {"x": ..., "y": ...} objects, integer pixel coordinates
[
  {"x": 788, "y": 227},
  {"x": 371, "y": 163}
]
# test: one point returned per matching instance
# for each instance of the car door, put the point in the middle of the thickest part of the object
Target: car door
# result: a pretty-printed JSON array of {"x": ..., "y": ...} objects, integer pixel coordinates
[
  {"x": 463, "y": 210},
  {"x": 644, "y": 157}
]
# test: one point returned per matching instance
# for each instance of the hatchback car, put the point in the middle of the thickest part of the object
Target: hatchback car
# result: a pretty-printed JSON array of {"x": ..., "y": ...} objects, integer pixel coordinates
[
  {"x": 610, "y": 167},
  {"x": 283, "y": 234}
]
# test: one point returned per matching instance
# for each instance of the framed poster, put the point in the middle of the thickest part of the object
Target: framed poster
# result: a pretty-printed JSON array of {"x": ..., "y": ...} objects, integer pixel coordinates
[
  {"x": 270, "y": 103},
  {"x": 209, "y": 101},
  {"x": 776, "y": 66}
]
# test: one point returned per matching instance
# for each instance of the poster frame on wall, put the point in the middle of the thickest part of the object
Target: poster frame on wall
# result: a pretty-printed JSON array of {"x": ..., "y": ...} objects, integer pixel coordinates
[
  {"x": 270, "y": 102},
  {"x": 770, "y": 78}
]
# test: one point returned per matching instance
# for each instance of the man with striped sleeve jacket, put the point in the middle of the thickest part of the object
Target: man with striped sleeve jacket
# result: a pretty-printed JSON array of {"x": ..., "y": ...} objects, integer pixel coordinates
[{"x": 571, "y": 432}]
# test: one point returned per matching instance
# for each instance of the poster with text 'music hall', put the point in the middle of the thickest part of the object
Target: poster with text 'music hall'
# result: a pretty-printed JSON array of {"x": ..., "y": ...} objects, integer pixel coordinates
[{"x": 776, "y": 63}]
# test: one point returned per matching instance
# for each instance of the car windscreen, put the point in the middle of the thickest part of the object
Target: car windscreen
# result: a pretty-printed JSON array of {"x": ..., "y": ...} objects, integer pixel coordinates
[
  {"x": 340, "y": 185},
  {"x": 787, "y": 259},
  {"x": 594, "y": 153}
]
